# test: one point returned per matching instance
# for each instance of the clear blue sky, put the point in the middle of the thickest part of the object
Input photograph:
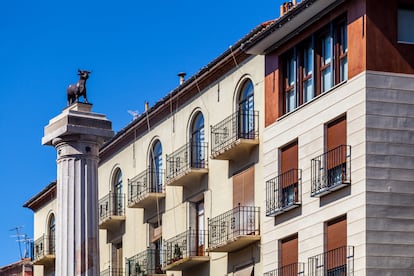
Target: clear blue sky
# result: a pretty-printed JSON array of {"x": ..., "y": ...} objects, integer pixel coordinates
[{"x": 135, "y": 49}]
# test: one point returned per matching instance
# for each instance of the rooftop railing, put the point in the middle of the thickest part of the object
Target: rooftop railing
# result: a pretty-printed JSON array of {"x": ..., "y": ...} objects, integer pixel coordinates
[
  {"x": 331, "y": 170},
  {"x": 238, "y": 222},
  {"x": 339, "y": 261},
  {"x": 283, "y": 192},
  {"x": 191, "y": 155},
  {"x": 239, "y": 125}
]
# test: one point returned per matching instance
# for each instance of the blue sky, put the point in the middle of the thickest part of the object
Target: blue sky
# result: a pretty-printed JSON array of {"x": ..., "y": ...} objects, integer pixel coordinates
[{"x": 135, "y": 49}]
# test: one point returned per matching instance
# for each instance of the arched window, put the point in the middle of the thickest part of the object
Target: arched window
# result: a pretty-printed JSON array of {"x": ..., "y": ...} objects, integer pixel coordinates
[
  {"x": 246, "y": 110},
  {"x": 198, "y": 142},
  {"x": 156, "y": 167},
  {"x": 118, "y": 197},
  {"x": 51, "y": 230}
]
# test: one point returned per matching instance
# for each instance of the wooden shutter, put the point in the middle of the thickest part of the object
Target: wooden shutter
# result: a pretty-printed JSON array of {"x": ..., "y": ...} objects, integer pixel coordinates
[
  {"x": 289, "y": 251},
  {"x": 289, "y": 161},
  {"x": 336, "y": 238},
  {"x": 243, "y": 188}
]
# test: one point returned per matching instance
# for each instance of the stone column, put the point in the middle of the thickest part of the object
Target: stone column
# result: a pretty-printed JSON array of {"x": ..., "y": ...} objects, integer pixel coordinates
[{"x": 77, "y": 134}]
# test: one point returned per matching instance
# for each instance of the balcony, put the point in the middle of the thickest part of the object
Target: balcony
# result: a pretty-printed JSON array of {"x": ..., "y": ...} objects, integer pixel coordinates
[
  {"x": 44, "y": 250},
  {"x": 283, "y": 192},
  {"x": 145, "y": 189},
  {"x": 146, "y": 263},
  {"x": 234, "y": 229},
  {"x": 235, "y": 136},
  {"x": 187, "y": 164},
  {"x": 112, "y": 272},
  {"x": 288, "y": 270},
  {"x": 339, "y": 261},
  {"x": 331, "y": 171},
  {"x": 185, "y": 250},
  {"x": 111, "y": 211}
]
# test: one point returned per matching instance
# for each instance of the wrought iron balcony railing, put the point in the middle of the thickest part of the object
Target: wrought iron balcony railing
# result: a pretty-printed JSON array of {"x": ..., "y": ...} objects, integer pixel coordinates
[
  {"x": 112, "y": 272},
  {"x": 147, "y": 262},
  {"x": 288, "y": 270},
  {"x": 144, "y": 185},
  {"x": 283, "y": 192},
  {"x": 229, "y": 227},
  {"x": 240, "y": 125},
  {"x": 44, "y": 247},
  {"x": 189, "y": 156},
  {"x": 113, "y": 204},
  {"x": 331, "y": 171},
  {"x": 339, "y": 261},
  {"x": 188, "y": 244}
]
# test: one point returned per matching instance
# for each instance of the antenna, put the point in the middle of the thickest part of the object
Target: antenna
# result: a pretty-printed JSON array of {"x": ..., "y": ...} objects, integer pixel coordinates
[
  {"x": 134, "y": 113},
  {"x": 22, "y": 238}
]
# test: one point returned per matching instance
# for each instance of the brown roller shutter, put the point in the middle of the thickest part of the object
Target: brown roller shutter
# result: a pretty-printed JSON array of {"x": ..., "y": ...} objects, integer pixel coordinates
[
  {"x": 336, "y": 241},
  {"x": 289, "y": 161},
  {"x": 289, "y": 251},
  {"x": 243, "y": 188},
  {"x": 336, "y": 133},
  {"x": 336, "y": 136}
]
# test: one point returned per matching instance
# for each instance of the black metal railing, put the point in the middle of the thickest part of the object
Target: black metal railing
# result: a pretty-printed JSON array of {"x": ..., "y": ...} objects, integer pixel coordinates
[
  {"x": 191, "y": 155},
  {"x": 145, "y": 263},
  {"x": 149, "y": 181},
  {"x": 44, "y": 246},
  {"x": 187, "y": 244},
  {"x": 331, "y": 170},
  {"x": 288, "y": 270},
  {"x": 239, "y": 125},
  {"x": 240, "y": 221},
  {"x": 339, "y": 261},
  {"x": 283, "y": 192},
  {"x": 113, "y": 204},
  {"x": 112, "y": 272}
]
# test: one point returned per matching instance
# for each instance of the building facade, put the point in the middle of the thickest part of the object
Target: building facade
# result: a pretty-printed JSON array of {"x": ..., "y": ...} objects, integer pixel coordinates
[{"x": 292, "y": 153}]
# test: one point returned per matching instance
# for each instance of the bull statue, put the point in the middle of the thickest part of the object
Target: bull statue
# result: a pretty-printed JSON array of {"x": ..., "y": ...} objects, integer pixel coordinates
[{"x": 74, "y": 91}]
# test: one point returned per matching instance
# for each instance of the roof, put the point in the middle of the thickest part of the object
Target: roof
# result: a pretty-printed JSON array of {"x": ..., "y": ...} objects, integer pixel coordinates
[
  {"x": 290, "y": 24},
  {"x": 185, "y": 92},
  {"x": 41, "y": 198}
]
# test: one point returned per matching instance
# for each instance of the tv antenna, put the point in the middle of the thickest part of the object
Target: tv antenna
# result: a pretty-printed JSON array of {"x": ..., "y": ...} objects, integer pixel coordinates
[{"x": 22, "y": 238}]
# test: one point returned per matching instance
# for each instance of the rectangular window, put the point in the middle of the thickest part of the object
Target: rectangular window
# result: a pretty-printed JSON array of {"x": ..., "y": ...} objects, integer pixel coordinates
[
  {"x": 336, "y": 151},
  {"x": 326, "y": 62},
  {"x": 289, "y": 174},
  {"x": 405, "y": 25},
  {"x": 288, "y": 255},
  {"x": 307, "y": 72},
  {"x": 290, "y": 81},
  {"x": 336, "y": 242}
]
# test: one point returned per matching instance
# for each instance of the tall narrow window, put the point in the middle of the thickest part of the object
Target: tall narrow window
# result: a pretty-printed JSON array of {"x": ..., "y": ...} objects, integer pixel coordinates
[
  {"x": 243, "y": 188},
  {"x": 51, "y": 233},
  {"x": 307, "y": 72},
  {"x": 336, "y": 242},
  {"x": 341, "y": 52},
  {"x": 290, "y": 80},
  {"x": 336, "y": 151},
  {"x": 288, "y": 256},
  {"x": 326, "y": 62},
  {"x": 200, "y": 228},
  {"x": 289, "y": 175},
  {"x": 118, "y": 197},
  {"x": 246, "y": 111},
  {"x": 156, "y": 167},
  {"x": 198, "y": 142}
]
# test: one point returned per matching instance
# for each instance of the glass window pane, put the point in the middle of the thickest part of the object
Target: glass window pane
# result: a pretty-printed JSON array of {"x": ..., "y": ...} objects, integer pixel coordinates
[
  {"x": 405, "y": 25},
  {"x": 327, "y": 50},
  {"x": 344, "y": 69},
  {"x": 290, "y": 101},
  {"x": 307, "y": 90},
  {"x": 291, "y": 72},
  {"x": 308, "y": 61},
  {"x": 344, "y": 38},
  {"x": 326, "y": 79}
]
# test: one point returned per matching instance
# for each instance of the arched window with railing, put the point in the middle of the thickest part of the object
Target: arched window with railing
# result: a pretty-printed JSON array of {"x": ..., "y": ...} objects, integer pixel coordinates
[
  {"x": 245, "y": 108},
  {"x": 51, "y": 233},
  {"x": 155, "y": 167},
  {"x": 117, "y": 192},
  {"x": 197, "y": 141}
]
